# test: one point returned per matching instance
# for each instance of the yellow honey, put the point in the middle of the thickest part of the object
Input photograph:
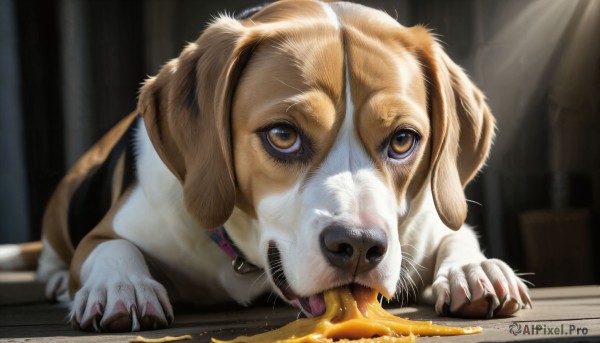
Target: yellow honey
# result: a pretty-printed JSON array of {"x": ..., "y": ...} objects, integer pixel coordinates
[{"x": 353, "y": 318}]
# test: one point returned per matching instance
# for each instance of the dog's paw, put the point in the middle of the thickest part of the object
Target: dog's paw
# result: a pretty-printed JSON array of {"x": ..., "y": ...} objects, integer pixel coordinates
[
  {"x": 57, "y": 289},
  {"x": 115, "y": 304},
  {"x": 480, "y": 290}
]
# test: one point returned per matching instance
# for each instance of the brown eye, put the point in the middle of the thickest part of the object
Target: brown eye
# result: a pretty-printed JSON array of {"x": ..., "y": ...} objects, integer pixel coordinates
[
  {"x": 284, "y": 139},
  {"x": 402, "y": 144}
]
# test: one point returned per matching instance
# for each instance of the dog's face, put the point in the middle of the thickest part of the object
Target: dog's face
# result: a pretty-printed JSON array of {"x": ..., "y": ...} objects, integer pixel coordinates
[
  {"x": 329, "y": 129},
  {"x": 322, "y": 122}
]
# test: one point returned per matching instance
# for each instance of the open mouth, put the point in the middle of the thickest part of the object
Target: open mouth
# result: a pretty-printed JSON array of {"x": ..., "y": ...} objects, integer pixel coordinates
[{"x": 313, "y": 305}]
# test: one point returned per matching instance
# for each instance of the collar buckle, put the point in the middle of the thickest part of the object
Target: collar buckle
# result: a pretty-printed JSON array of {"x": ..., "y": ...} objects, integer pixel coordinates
[{"x": 239, "y": 263}]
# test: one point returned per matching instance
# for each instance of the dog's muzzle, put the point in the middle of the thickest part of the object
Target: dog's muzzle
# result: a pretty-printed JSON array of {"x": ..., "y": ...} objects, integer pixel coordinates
[{"x": 351, "y": 251}]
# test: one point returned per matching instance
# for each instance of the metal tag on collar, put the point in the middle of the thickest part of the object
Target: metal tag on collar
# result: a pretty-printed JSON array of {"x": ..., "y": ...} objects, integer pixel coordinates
[{"x": 241, "y": 266}]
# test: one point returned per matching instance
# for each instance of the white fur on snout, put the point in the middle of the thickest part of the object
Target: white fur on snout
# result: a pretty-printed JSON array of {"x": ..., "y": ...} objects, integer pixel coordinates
[{"x": 346, "y": 189}]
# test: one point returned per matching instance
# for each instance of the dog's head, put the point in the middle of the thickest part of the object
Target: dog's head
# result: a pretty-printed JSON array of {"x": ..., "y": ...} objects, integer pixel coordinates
[{"x": 321, "y": 122}]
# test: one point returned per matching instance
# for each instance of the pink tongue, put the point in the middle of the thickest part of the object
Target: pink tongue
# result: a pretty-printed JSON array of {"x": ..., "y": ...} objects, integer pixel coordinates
[
  {"x": 317, "y": 304},
  {"x": 313, "y": 306}
]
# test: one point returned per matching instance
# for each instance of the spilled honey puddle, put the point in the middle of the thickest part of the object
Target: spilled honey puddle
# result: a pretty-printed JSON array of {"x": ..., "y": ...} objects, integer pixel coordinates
[{"x": 353, "y": 318}]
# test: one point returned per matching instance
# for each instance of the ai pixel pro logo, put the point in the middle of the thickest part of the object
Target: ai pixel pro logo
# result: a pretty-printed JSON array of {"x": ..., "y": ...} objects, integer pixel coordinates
[{"x": 554, "y": 329}]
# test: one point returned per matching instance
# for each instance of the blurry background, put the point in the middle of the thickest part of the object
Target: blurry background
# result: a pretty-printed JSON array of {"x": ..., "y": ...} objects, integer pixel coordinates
[{"x": 70, "y": 69}]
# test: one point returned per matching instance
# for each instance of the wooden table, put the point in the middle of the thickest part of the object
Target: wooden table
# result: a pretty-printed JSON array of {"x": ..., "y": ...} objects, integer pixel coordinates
[{"x": 560, "y": 314}]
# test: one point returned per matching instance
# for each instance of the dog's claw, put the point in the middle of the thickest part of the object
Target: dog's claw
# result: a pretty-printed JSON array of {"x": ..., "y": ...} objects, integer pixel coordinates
[
  {"x": 90, "y": 320},
  {"x": 96, "y": 324},
  {"x": 504, "y": 300},
  {"x": 446, "y": 309},
  {"x": 528, "y": 302},
  {"x": 151, "y": 319},
  {"x": 490, "y": 310},
  {"x": 119, "y": 319}
]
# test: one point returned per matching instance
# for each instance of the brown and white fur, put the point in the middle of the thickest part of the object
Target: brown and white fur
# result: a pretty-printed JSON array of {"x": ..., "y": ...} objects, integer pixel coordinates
[{"x": 344, "y": 83}]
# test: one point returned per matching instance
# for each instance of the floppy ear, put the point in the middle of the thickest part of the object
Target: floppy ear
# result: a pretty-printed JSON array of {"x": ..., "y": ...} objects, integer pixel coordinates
[
  {"x": 186, "y": 111},
  {"x": 461, "y": 135}
]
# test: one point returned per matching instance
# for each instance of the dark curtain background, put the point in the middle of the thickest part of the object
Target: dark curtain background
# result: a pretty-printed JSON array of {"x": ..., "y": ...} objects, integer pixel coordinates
[{"x": 70, "y": 69}]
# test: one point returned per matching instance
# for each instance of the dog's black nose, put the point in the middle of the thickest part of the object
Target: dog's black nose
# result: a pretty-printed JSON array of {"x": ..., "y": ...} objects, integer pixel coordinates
[{"x": 355, "y": 250}]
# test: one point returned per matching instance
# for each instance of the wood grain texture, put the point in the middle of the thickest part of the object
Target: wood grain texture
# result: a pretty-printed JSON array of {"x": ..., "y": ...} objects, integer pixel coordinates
[{"x": 24, "y": 317}]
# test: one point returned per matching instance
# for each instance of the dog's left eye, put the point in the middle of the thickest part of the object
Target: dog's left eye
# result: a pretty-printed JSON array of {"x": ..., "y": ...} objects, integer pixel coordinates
[
  {"x": 285, "y": 142},
  {"x": 402, "y": 144}
]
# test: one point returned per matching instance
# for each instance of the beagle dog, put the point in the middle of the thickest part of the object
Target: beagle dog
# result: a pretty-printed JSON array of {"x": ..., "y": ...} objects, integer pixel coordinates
[{"x": 304, "y": 146}]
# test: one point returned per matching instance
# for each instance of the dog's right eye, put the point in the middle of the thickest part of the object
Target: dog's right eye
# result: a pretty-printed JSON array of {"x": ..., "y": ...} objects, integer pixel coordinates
[{"x": 284, "y": 139}]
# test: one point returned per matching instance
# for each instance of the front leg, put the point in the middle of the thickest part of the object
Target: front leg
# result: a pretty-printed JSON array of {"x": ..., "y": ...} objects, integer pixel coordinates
[
  {"x": 118, "y": 293},
  {"x": 466, "y": 284}
]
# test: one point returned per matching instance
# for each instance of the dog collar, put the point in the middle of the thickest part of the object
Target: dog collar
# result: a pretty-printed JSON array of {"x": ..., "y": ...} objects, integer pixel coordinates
[{"x": 239, "y": 263}]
